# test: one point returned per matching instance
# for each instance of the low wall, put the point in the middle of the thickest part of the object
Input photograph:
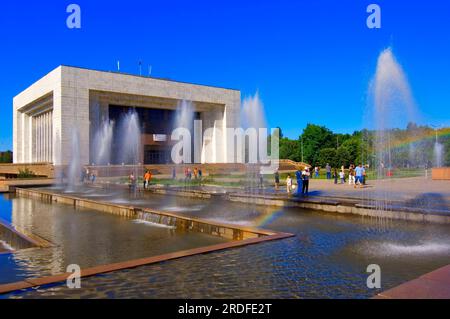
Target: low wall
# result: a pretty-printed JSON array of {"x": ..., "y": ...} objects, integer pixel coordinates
[
  {"x": 180, "y": 192},
  {"x": 442, "y": 173},
  {"x": 404, "y": 213},
  {"x": 77, "y": 202},
  {"x": 14, "y": 238},
  {"x": 181, "y": 223},
  {"x": 41, "y": 169},
  {"x": 8, "y": 185}
]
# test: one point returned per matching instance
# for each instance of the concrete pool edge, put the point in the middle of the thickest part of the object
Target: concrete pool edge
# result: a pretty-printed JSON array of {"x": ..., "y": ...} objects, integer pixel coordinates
[
  {"x": 341, "y": 207},
  {"x": 338, "y": 205},
  {"x": 233, "y": 232},
  {"x": 20, "y": 239},
  {"x": 102, "y": 269},
  {"x": 432, "y": 285}
]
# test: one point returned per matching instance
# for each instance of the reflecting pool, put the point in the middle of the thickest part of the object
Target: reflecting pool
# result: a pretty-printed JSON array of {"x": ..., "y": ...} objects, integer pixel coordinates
[{"x": 327, "y": 258}]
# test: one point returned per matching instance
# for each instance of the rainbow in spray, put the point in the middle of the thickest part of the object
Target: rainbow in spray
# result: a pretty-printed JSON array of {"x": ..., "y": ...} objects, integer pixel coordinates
[{"x": 427, "y": 135}]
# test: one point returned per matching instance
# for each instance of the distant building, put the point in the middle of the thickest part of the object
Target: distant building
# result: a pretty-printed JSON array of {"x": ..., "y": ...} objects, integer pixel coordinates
[{"x": 46, "y": 113}]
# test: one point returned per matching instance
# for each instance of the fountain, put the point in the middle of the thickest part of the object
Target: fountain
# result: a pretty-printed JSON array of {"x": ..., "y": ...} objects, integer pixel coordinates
[
  {"x": 253, "y": 117},
  {"x": 127, "y": 146},
  {"x": 129, "y": 139},
  {"x": 102, "y": 143},
  {"x": 184, "y": 115},
  {"x": 438, "y": 153},
  {"x": 184, "y": 118},
  {"x": 393, "y": 102},
  {"x": 393, "y": 107},
  {"x": 74, "y": 168},
  {"x": 252, "y": 113}
]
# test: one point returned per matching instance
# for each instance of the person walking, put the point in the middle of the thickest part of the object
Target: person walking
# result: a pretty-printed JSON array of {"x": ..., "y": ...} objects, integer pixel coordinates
[
  {"x": 298, "y": 175},
  {"x": 328, "y": 169},
  {"x": 195, "y": 173},
  {"x": 351, "y": 175},
  {"x": 93, "y": 176},
  {"x": 335, "y": 176},
  {"x": 343, "y": 171},
  {"x": 200, "y": 174},
  {"x": 86, "y": 175},
  {"x": 277, "y": 180},
  {"x": 147, "y": 179},
  {"x": 174, "y": 173},
  {"x": 306, "y": 175},
  {"x": 144, "y": 184},
  {"x": 342, "y": 177},
  {"x": 359, "y": 175},
  {"x": 132, "y": 183},
  {"x": 364, "y": 176},
  {"x": 289, "y": 184},
  {"x": 317, "y": 172}
]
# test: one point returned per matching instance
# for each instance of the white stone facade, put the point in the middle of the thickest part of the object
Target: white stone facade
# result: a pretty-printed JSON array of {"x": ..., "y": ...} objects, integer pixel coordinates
[{"x": 46, "y": 112}]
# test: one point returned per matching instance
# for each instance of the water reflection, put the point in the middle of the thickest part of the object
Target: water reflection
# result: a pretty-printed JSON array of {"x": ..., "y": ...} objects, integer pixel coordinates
[{"x": 87, "y": 238}]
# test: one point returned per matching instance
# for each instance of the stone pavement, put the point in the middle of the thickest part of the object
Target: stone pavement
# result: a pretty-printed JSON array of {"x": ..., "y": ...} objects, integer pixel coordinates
[
  {"x": 434, "y": 285},
  {"x": 416, "y": 192}
]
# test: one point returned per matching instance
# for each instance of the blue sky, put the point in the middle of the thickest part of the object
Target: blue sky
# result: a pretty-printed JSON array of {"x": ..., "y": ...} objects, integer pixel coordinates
[{"x": 311, "y": 61}]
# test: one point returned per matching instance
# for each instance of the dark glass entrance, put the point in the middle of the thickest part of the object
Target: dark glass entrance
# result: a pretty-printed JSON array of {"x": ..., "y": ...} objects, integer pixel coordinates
[{"x": 156, "y": 155}]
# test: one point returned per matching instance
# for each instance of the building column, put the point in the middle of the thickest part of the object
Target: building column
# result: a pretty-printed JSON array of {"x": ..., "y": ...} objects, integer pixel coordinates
[
  {"x": 30, "y": 139},
  {"x": 22, "y": 137},
  {"x": 45, "y": 159},
  {"x": 38, "y": 139},
  {"x": 50, "y": 159}
]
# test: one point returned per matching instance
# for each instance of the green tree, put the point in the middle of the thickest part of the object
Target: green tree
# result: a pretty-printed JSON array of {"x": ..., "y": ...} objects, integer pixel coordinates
[
  {"x": 353, "y": 146},
  {"x": 327, "y": 156},
  {"x": 343, "y": 157},
  {"x": 314, "y": 138},
  {"x": 6, "y": 157},
  {"x": 290, "y": 149}
]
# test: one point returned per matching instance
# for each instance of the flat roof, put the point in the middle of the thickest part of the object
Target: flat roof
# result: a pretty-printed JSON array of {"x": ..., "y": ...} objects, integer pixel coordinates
[{"x": 147, "y": 77}]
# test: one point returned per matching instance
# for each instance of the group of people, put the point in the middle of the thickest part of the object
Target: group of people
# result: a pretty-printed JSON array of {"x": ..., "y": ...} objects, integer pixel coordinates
[
  {"x": 357, "y": 175},
  {"x": 302, "y": 182},
  {"x": 133, "y": 182},
  {"x": 89, "y": 175},
  {"x": 188, "y": 173}
]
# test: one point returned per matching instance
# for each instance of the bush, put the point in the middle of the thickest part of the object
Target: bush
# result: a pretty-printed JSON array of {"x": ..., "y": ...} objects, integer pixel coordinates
[{"x": 26, "y": 173}]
